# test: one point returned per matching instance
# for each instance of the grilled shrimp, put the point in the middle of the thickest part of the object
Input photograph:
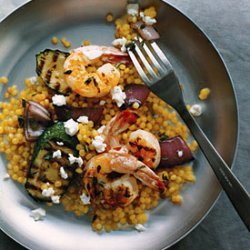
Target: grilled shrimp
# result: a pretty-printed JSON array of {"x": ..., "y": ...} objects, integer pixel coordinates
[
  {"x": 95, "y": 84},
  {"x": 117, "y": 125},
  {"x": 145, "y": 147},
  {"x": 142, "y": 144},
  {"x": 111, "y": 179}
]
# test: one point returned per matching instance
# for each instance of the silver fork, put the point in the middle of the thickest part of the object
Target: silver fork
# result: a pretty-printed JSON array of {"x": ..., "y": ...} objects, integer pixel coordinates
[{"x": 164, "y": 83}]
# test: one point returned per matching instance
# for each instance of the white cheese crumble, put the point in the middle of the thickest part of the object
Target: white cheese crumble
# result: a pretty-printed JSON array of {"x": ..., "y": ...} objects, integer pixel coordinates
[
  {"x": 59, "y": 143},
  {"x": 98, "y": 143},
  {"x": 33, "y": 80},
  {"x": 73, "y": 159},
  {"x": 6, "y": 177},
  {"x": 133, "y": 9},
  {"x": 180, "y": 153},
  {"x": 63, "y": 173},
  {"x": 59, "y": 100},
  {"x": 147, "y": 19},
  {"x": 38, "y": 214},
  {"x": 55, "y": 199},
  {"x": 48, "y": 192},
  {"x": 71, "y": 127},
  {"x": 118, "y": 96},
  {"x": 121, "y": 42},
  {"x": 196, "y": 110},
  {"x": 102, "y": 102},
  {"x": 83, "y": 119},
  {"x": 57, "y": 154},
  {"x": 85, "y": 199},
  {"x": 101, "y": 129},
  {"x": 140, "y": 227}
]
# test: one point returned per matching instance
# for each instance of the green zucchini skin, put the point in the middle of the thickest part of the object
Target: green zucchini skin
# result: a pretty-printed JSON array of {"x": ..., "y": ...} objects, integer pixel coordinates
[
  {"x": 49, "y": 67},
  {"x": 55, "y": 133},
  {"x": 42, "y": 170}
]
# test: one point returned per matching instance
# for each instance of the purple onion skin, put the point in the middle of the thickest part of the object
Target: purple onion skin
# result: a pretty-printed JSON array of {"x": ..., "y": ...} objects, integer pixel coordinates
[
  {"x": 174, "y": 152},
  {"x": 135, "y": 93},
  {"x": 147, "y": 32},
  {"x": 35, "y": 113},
  {"x": 94, "y": 114}
]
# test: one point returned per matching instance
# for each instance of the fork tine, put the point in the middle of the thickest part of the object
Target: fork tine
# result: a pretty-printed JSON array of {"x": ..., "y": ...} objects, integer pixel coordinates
[
  {"x": 161, "y": 55},
  {"x": 149, "y": 68},
  {"x": 138, "y": 67},
  {"x": 152, "y": 57}
]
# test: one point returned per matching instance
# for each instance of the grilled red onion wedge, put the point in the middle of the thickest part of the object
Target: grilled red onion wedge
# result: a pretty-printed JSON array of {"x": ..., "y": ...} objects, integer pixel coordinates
[
  {"x": 94, "y": 114},
  {"x": 36, "y": 118},
  {"x": 135, "y": 93},
  {"x": 174, "y": 151}
]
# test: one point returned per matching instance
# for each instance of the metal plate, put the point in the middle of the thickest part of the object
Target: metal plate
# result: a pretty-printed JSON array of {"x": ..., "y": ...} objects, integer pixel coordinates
[{"x": 197, "y": 63}]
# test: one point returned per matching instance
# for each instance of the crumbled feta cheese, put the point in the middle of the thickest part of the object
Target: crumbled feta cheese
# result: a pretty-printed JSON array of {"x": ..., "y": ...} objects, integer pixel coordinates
[
  {"x": 133, "y": 9},
  {"x": 73, "y": 159},
  {"x": 180, "y": 153},
  {"x": 140, "y": 227},
  {"x": 102, "y": 102},
  {"x": 59, "y": 100},
  {"x": 71, "y": 127},
  {"x": 83, "y": 119},
  {"x": 6, "y": 177},
  {"x": 118, "y": 96},
  {"x": 38, "y": 214},
  {"x": 48, "y": 192},
  {"x": 147, "y": 19},
  {"x": 33, "y": 80},
  {"x": 57, "y": 154},
  {"x": 59, "y": 143},
  {"x": 55, "y": 199},
  {"x": 63, "y": 173},
  {"x": 85, "y": 199},
  {"x": 196, "y": 110},
  {"x": 100, "y": 130},
  {"x": 98, "y": 143},
  {"x": 120, "y": 42}
]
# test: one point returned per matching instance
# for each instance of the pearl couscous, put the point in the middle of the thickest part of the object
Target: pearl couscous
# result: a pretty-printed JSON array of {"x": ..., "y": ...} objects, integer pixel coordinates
[{"x": 80, "y": 194}]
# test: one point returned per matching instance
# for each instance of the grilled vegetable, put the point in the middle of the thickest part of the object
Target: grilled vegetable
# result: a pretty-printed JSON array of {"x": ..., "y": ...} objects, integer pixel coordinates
[
  {"x": 147, "y": 32},
  {"x": 135, "y": 93},
  {"x": 65, "y": 112},
  {"x": 44, "y": 169},
  {"x": 49, "y": 67},
  {"x": 35, "y": 120},
  {"x": 174, "y": 151}
]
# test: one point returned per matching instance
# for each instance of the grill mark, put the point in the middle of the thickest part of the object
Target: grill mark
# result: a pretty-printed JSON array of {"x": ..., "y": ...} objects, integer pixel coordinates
[
  {"x": 33, "y": 172},
  {"x": 49, "y": 73},
  {"x": 56, "y": 86},
  {"x": 40, "y": 66},
  {"x": 55, "y": 56},
  {"x": 96, "y": 84},
  {"x": 44, "y": 178},
  {"x": 31, "y": 186}
]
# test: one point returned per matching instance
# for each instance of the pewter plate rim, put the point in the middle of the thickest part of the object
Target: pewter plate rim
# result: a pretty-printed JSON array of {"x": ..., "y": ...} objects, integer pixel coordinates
[{"x": 12, "y": 15}]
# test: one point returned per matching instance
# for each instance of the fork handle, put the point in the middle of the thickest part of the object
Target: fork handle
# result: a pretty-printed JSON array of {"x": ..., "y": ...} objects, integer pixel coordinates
[{"x": 233, "y": 188}]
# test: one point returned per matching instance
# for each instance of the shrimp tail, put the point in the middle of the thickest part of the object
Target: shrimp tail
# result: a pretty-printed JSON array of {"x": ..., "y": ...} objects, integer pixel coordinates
[
  {"x": 122, "y": 121},
  {"x": 149, "y": 178},
  {"x": 117, "y": 125}
]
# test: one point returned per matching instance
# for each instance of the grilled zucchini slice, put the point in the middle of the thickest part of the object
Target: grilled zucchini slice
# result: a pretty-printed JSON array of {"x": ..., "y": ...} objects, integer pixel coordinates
[
  {"x": 44, "y": 169},
  {"x": 49, "y": 67}
]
